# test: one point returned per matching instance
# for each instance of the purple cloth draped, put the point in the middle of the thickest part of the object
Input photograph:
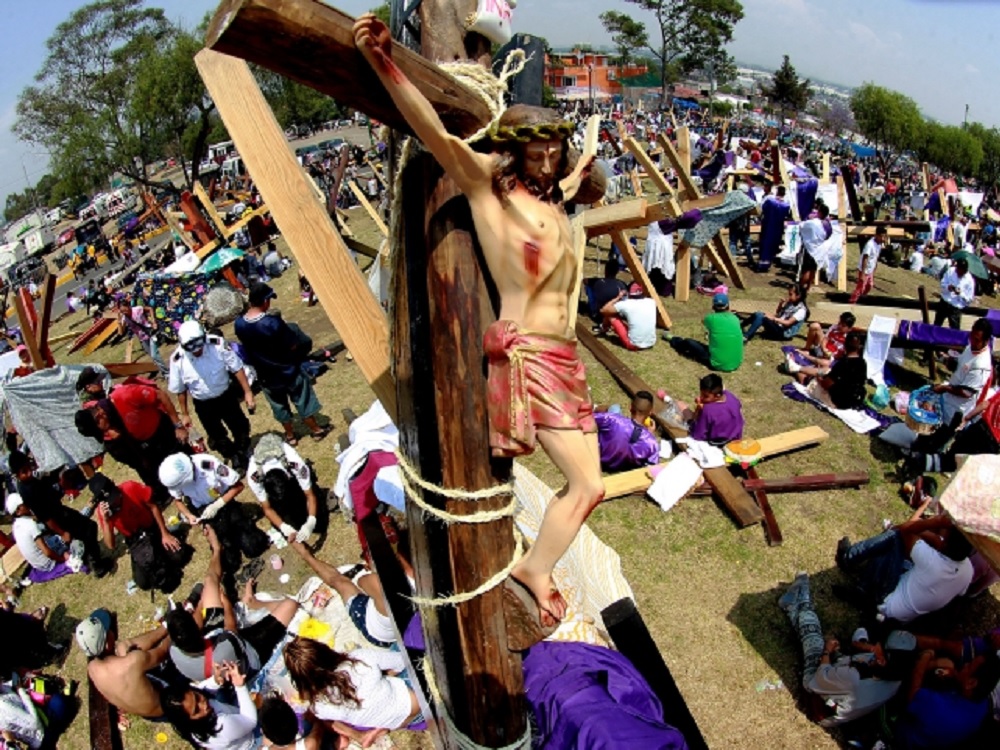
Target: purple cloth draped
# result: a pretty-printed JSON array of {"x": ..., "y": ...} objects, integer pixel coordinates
[
  {"x": 800, "y": 173},
  {"x": 934, "y": 207},
  {"x": 623, "y": 443},
  {"x": 687, "y": 220},
  {"x": 710, "y": 171},
  {"x": 60, "y": 570},
  {"x": 797, "y": 356},
  {"x": 774, "y": 213},
  {"x": 941, "y": 227},
  {"x": 788, "y": 390},
  {"x": 806, "y": 195},
  {"x": 592, "y": 698},
  {"x": 730, "y": 158},
  {"x": 926, "y": 333}
]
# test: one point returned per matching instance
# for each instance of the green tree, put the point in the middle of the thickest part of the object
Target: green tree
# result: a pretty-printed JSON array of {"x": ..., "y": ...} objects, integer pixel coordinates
[
  {"x": 889, "y": 120},
  {"x": 383, "y": 12},
  {"x": 627, "y": 34},
  {"x": 989, "y": 167},
  {"x": 79, "y": 107},
  {"x": 787, "y": 92},
  {"x": 952, "y": 148},
  {"x": 293, "y": 103},
  {"x": 692, "y": 32},
  {"x": 170, "y": 101}
]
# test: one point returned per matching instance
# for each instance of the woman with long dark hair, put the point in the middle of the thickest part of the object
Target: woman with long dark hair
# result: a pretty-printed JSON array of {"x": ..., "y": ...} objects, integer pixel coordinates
[
  {"x": 360, "y": 688},
  {"x": 205, "y": 719}
]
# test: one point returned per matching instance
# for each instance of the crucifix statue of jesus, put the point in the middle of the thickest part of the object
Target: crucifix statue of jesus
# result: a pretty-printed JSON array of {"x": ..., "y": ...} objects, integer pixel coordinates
[{"x": 516, "y": 180}]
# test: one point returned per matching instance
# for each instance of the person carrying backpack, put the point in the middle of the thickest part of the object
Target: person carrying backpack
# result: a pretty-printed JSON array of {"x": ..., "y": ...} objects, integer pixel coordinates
[{"x": 158, "y": 557}]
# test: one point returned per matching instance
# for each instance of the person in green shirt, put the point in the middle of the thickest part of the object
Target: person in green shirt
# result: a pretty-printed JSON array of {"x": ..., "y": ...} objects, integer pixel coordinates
[{"x": 724, "y": 352}]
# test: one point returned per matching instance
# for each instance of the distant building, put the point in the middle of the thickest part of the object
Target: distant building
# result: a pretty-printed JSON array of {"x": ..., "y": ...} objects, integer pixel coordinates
[{"x": 580, "y": 75}]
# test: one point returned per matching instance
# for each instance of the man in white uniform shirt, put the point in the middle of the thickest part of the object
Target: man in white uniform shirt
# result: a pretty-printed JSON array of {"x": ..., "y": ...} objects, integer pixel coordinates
[
  {"x": 958, "y": 289},
  {"x": 203, "y": 367},
  {"x": 282, "y": 482},
  {"x": 203, "y": 489}
]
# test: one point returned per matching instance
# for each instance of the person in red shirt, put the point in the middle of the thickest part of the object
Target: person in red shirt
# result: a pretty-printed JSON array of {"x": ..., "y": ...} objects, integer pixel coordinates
[
  {"x": 138, "y": 426},
  {"x": 158, "y": 557}
]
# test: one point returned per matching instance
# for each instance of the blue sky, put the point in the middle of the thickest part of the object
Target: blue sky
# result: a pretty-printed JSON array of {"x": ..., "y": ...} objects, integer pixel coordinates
[{"x": 942, "y": 53}]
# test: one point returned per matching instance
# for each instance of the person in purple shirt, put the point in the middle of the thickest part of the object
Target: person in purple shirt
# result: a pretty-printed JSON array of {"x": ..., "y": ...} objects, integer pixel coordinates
[
  {"x": 627, "y": 443},
  {"x": 717, "y": 417}
]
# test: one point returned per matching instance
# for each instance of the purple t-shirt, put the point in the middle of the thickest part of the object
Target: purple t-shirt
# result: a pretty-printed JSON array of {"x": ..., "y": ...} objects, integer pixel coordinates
[
  {"x": 719, "y": 422},
  {"x": 623, "y": 443}
]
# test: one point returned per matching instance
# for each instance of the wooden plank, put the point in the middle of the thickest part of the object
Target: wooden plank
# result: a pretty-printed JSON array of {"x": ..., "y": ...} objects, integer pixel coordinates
[
  {"x": 601, "y": 220},
  {"x": 236, "y": 226},
  {"x": 772, "y": 532},
  {"x": 367, "y": 206},
  {"x": 360, "y": 247},
  {"x": 684, "y": 154},
  {"x": 793, "y": 440},
  {"x": 205, "y": 250},
  {"x": 925, "y": 316},
  {"x": 728, "y": 263},
  {"x": 308, "y": 229},
  {"x": 727, "y": 488},
  {"x": 98, "y": 341},
  {"x": 99, "y": 325},
  {"x": 641, "y": 278},
  {"x": 129, "y": 347},
  {"x": 307, "y": 40},
  {"x": 48, "y": 297},
  {"x": 906, "y": 303},
  {"x": 652, "y": 172},
  {"x": 62, "y": 338},
  {"x": 126, "y": 369},
  {"x": 25, "y": 319},
  {"x": 825, "y": 178},
  {"x": 209, "y": 206},
  {"x": 10, "y": 564},
  {"x": 682, "y": 271}
]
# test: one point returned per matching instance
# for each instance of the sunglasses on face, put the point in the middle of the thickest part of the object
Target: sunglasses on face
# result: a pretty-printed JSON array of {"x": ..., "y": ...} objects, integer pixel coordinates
[{"x": 194, "y": 344}]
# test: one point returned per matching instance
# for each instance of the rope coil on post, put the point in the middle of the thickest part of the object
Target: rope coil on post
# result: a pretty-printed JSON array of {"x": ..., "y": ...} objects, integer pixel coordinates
[{"x": 464, "y": 741}]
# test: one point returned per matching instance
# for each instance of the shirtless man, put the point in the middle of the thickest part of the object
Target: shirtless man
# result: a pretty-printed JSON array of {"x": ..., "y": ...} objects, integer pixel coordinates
[
  {"x": 118, "y": 670},
  {"x": 537, "y": 387}
]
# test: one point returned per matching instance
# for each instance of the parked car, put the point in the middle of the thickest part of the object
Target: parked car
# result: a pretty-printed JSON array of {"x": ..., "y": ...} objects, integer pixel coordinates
[
  {"x": 306, "y": 154},
  {"x": 28, "y": 270},
  {"x": 66, "y": 237},
  {"x": 333, "y": 144}
]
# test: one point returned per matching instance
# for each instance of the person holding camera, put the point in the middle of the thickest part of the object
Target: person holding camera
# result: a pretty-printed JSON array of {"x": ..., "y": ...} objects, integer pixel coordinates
[{"x": 158, "y": 557}]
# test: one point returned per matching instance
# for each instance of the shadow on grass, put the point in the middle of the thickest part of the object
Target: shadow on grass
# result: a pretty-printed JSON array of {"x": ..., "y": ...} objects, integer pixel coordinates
[{"x": 61, "y": 627}]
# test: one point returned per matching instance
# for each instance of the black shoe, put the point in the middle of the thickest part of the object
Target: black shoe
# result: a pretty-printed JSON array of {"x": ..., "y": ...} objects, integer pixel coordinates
[
  {"x": 194, "y": 597},
  {"x": 843, "y": 547},
  {"x": 100, "y": 568}
]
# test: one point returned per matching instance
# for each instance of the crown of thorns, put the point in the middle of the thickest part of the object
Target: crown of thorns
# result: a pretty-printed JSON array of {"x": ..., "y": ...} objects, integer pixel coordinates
[{"x": 545, "y": 131}]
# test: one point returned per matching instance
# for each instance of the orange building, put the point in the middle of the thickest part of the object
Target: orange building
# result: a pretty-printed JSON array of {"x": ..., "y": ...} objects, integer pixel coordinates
[{"x": 582, "y": 75}]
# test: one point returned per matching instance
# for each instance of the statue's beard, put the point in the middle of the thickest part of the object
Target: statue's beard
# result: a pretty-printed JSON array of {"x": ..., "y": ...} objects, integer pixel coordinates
[{"x": 540, "y": 187}]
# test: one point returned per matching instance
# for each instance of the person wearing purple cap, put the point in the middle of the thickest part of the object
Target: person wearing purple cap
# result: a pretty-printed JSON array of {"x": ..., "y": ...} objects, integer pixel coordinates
[
  {"x": 724, "y": 352},
  {"x": 277, "y": 351},
  {"x": 633, "y": 318}
]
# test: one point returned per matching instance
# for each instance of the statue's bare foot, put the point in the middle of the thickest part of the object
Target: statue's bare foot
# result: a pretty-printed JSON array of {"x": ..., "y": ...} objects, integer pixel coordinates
[{"x": 550, "y": 602}]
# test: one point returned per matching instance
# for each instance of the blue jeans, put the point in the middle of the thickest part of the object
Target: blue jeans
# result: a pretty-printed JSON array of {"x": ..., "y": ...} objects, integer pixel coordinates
[
  {"x": 771, "y": 329},
  {"x": 879, "y": 561},
  {"x": 735, "y": 242}
]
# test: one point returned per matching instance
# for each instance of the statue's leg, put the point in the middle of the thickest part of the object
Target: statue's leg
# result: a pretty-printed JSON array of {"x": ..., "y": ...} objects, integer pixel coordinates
[{"x": 575, "y": 454}]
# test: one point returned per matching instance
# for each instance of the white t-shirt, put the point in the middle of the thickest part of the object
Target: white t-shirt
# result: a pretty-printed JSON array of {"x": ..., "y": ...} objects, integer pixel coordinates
[
  {"x": 640, "y": 317},
  {"x": 933, "y": 581},
  {"x": 26, "y": 530},
  {"x": 973, "y": 371},
  {"x": 869, "y": 257},
  {"x": 236, "y": 730},
  {"x": 854, "y": 696},
  {"x": 385, "y": 700},
  {"x": 293, "y": 463},
  {"x": 917, "y": 260},
  {"x": 965, "y": 285},
  {"x": 211, "y": 480}
]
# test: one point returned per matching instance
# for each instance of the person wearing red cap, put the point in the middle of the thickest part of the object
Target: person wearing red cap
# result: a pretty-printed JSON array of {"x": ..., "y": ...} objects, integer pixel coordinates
[{"x": 633, "y": 318}]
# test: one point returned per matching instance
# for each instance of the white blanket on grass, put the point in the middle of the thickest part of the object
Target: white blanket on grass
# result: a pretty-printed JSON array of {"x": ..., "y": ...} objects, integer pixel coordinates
[{"x": 856, "y": 419}]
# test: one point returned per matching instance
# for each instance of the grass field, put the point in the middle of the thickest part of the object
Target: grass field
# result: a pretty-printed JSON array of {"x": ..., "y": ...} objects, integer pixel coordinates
[{"x": 706, "y": 590}]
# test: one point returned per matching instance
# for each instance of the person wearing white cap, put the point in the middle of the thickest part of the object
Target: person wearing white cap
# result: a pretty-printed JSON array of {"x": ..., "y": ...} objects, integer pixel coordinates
[
  {"x": 282, "y": 482},
  {"x": 203, "y": 367},
  {"x": 44, "y": 552},
  {"x": 203, "y": 489}
]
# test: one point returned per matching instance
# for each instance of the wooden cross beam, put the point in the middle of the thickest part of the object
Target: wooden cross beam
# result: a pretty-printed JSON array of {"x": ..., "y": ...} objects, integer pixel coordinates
[
  {"x": 367, "y": 206},
  {"x": 715, "y": 251},
  {"x": 308, "y": 229},
  {"x": 312, "y": 43}
]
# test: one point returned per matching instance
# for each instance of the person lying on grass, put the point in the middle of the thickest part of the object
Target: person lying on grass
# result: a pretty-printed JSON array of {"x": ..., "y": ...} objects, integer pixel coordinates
[{"x": 842, "y": 386}]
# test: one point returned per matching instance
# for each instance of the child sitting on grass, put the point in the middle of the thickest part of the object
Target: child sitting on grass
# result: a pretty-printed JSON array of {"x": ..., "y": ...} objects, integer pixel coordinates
[
  {"x": 842, "y": 386},
  {"x": 717, "y": 417}
]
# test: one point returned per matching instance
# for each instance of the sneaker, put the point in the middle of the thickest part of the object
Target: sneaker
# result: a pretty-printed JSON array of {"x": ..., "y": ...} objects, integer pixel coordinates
[
  {"x": 843, "y": 547},
  {"x": 791, "y": 365},
  {"x": 667, "y": 335}
]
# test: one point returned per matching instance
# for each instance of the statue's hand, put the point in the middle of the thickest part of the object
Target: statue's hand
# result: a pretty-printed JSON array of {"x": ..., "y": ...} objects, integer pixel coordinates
[{"x": 373, "y": 39}]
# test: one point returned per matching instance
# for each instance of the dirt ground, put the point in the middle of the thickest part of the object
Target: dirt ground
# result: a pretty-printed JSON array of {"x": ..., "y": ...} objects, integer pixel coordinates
[{"x": 706, "y": 590}]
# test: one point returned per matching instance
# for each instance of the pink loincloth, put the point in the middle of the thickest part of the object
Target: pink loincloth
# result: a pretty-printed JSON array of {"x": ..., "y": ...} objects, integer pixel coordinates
[{"x": 534, "y": 381}]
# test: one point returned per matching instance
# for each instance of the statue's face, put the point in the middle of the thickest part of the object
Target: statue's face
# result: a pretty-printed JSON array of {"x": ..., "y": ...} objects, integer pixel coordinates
[{"x": 541, "y": 161}]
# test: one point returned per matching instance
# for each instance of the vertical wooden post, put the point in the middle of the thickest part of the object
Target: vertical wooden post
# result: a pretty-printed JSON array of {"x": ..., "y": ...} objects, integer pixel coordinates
[
  {"x": 27, "y": 318},
  {"x": 925, "y": 315},
  {"x": 684, "y": 152},
  {"x": 442, "y": 308}
]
